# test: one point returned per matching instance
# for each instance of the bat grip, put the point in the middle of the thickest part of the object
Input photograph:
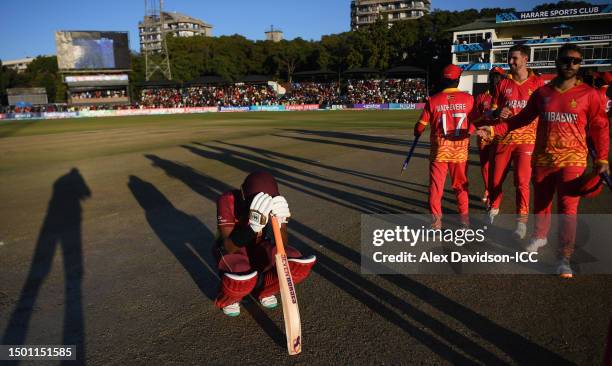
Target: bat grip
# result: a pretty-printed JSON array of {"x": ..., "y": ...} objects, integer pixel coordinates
[{"x": 278, "y": 238}]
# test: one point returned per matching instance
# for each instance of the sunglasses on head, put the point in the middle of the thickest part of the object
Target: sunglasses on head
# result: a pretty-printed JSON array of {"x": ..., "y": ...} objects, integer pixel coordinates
[{"x": 566, "y": 60}]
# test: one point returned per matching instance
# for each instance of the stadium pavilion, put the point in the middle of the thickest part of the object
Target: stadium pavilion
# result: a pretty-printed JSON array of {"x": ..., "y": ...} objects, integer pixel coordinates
[{"x": 483, "y": 44}]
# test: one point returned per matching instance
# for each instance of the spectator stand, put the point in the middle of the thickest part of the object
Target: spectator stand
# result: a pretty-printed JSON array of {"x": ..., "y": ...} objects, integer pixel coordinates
[
  {"x": 363, "y": 86},
  {"x": 160, "y": 94},
  {"x": 406, "y": 84},
  {"x": 256, "y": 90},
  {"x": 98, "y": 89},
  {"x": 320, "y": 87},
  {"x": 205, "y": 91}
]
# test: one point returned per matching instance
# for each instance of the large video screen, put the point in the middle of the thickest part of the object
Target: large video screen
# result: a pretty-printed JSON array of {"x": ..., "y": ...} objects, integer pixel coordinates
[{"x": 91, "y": 50}]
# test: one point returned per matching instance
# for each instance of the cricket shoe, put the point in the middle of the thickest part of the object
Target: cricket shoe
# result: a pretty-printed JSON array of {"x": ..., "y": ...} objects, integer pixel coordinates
[
  {"x": 436, "y": 223},
  {"x": 521, "y": 230},
  {"x": 232, "y": 309},
  {"x": 269, "y": 302},
  {"x": 535, "y": 244},
  {"x": 491, "y": 214},
  {"x": 564, "y": 269}
]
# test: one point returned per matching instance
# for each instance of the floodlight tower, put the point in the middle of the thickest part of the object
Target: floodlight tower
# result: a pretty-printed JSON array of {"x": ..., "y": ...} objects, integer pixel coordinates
[{"x": 156, "y": 53}]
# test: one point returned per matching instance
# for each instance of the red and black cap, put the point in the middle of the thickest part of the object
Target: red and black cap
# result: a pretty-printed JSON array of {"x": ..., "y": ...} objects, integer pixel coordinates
[
  {"x": 259, "y": 182},
  {"x": 497, "y": 70},
  {"x": 452, "y": 72}
]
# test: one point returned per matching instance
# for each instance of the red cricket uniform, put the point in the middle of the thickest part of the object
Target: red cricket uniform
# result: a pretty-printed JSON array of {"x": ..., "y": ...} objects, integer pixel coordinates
[
  {"x": 517, "y": 145},
  {"x": 482, "y": 105},
  {"x": 560, "y": 153},
  {"x": 606, "y": 102},
  {"x": 447, "y": 112}
]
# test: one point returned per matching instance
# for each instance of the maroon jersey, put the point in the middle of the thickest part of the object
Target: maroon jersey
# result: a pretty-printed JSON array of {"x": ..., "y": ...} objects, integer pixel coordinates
[
  {"x": 447, "y": 113},
  {"x": 232, "y": 211}
]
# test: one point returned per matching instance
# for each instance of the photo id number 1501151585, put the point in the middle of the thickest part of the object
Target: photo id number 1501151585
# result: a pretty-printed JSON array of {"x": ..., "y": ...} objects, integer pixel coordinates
[{"x": 38, "y": 352}]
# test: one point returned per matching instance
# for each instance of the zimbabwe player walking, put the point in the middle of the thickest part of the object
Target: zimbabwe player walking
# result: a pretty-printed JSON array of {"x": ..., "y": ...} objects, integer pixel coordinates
[
  {"x": 447, "y": 112},
  {"x": 570, "y": 112},
  {"x": 511, "y": 95}
]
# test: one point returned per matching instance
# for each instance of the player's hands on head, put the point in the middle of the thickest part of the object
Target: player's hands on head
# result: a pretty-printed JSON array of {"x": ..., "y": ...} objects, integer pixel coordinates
[
  {"x": 280, "y": 209},
  {"x": 505, "y": 113},
  {"x": 485, "y": 132},
  {"x": 259, "y": 211}
]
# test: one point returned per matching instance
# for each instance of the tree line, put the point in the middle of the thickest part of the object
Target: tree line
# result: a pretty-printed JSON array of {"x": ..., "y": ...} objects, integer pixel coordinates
[{"x": 424, "y": 42}]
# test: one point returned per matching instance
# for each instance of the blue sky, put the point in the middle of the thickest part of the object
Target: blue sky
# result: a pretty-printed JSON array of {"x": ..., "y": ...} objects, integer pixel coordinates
[{"x": 27, "y": 27}]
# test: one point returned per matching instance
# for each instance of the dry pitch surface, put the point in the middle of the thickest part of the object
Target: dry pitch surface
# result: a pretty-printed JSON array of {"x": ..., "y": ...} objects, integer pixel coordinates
[{"x": 140, "y": 281}]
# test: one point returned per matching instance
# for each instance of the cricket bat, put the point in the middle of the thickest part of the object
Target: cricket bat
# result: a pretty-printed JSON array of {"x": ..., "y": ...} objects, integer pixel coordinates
[
  {"x": 407, "y": 160},
  {"x": 604, "y": 177},
  {"x": 291, "y": 313}
]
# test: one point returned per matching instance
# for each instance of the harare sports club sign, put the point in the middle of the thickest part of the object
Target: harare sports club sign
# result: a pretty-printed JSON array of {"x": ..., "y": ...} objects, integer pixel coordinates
[
  {"x": 554, "y": 13},
  {"x": 485, "y": 66}
]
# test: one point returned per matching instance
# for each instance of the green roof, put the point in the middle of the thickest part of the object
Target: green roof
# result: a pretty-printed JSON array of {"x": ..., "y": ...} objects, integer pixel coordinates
[{"x": 475, "y": 25}]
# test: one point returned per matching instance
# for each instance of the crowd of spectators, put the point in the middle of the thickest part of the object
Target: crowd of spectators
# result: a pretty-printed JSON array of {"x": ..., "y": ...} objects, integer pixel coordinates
[
  {"x": 65, "y": 108},
  {"x": 99, "y": 94},
  {"x": 161, "y": 98},
  {"x": 312, "y": 93},
  {"x": 386, "y": 91},
  {"x": 404, "y": 91},
  {"x": 34, "y": 108},
  {"x": 364, "y": 92},
  {"x": 237, "y": 95}
]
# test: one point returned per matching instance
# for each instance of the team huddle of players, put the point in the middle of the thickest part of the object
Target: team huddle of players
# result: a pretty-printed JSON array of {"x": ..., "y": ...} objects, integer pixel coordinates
[{"x": 545, "y": 131}]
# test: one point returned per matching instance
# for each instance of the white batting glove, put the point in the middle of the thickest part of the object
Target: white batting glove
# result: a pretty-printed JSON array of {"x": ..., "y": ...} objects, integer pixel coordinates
[
  {"x": 259, "y": 211},
  {"x": 280, "y": 209}
]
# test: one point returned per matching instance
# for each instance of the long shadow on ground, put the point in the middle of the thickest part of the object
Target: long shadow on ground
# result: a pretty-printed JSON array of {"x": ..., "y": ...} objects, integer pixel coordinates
[
  {"x": 378, "y": 179},
  {"x": 383, "y": 302},
  {"x": 61, "y": 228},
  {"x": 318, "y": 186}
]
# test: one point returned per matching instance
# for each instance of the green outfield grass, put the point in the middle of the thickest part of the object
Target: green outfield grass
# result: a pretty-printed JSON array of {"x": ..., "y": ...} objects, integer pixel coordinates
[
  {"x": 311, "y": 119},
  {"x": 31, "y": 144}
]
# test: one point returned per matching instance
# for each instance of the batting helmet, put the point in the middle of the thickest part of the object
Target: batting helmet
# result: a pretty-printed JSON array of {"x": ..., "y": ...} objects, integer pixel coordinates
[{"x": 259, "y": 182}]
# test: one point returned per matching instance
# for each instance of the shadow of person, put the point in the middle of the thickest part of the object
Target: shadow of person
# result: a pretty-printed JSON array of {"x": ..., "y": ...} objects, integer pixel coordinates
[
  {"x": 184, "y": 235},
  {"x": 62, "y": 225}
]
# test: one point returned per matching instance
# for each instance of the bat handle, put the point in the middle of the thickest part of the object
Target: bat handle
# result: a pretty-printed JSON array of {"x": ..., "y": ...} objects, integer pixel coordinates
[
  {"x": 278, "y": 238},
  {"x": 607, "y": 179}
]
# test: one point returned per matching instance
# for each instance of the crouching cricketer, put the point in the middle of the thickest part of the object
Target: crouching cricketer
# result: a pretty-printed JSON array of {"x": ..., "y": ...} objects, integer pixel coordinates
[
  {"x": 570, "y": 113},
  {"x": 447, "y": 112},
  {"x": 245, "y": 246}
]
